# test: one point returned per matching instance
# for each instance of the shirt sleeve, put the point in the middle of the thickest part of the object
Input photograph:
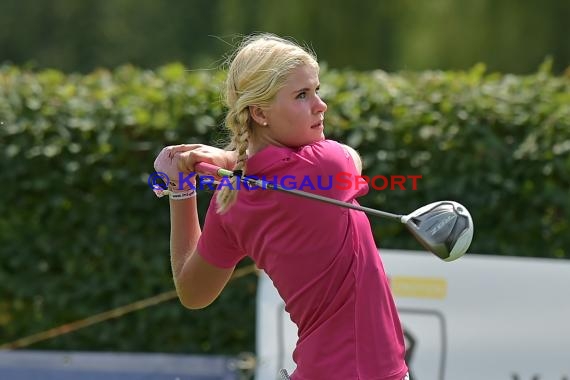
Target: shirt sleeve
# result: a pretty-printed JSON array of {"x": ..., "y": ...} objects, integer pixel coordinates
[{"x": 216, "y": 245}]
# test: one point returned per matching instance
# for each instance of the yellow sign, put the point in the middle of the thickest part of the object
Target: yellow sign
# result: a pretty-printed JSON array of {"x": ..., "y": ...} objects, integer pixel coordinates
[{"x": 419, "y": 287}]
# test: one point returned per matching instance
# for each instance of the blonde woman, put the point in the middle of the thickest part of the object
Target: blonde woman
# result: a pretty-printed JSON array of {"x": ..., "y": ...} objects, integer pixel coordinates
[{"x": 322, "y": 258}]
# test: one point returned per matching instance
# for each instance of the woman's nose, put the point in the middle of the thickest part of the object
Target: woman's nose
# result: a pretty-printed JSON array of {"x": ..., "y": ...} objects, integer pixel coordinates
[{"x": 320, "y": 106}]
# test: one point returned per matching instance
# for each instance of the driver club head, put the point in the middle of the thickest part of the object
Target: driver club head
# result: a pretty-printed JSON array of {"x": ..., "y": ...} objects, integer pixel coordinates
[{"x": 445, "y": 228}]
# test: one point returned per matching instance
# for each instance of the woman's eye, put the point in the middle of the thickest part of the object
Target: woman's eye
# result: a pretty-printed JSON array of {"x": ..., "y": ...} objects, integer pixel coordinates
[{"x": 302, "y": 95}]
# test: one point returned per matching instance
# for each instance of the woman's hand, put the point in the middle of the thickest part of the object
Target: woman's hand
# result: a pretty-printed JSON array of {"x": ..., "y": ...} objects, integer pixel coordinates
[
  {"x": 175, "y": 159},
  {"x": 188, "y": 155}
]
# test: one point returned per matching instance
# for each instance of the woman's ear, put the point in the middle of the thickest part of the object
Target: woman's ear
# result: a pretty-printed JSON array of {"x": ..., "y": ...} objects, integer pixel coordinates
[{"x": 258, "y": 115}]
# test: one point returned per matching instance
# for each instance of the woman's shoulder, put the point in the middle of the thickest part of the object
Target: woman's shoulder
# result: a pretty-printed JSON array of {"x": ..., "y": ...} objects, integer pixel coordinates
[
  {"x": 325, "y": 151},
  {"x": 329, "y": 155},
  {"x": 323, "y": 147}
]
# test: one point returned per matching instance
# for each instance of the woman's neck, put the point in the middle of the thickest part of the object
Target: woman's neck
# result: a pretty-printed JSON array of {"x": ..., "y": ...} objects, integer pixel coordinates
[{"x": 260, "y": 141}]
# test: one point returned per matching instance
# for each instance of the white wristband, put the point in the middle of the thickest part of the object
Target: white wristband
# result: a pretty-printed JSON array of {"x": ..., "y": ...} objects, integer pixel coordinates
[{"x": 177, "y": 196}]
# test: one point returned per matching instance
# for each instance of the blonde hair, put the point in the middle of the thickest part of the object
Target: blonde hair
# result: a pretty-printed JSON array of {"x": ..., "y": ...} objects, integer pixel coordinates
[{"x": 257, "y": 71}]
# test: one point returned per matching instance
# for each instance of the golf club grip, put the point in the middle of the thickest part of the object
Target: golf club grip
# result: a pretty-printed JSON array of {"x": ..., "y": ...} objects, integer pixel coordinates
[{"x": 206, "y": 168}]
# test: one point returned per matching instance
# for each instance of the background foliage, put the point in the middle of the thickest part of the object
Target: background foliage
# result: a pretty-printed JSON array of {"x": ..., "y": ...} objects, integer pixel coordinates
[
  {"x": 512, "y": 36},
  {"x": 80, "y": 232}
]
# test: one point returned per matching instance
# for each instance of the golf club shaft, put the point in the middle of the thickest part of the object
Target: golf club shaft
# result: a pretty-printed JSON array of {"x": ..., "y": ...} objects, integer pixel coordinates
[{"x": 206, "y": 168}]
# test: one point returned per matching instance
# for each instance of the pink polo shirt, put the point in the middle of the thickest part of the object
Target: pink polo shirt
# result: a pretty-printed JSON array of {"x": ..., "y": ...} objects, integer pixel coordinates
[{"x": 322, "y": 259}]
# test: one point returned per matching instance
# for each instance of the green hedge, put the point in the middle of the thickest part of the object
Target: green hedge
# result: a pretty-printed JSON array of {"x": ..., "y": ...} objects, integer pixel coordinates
[{"x": 81, "y": 233}]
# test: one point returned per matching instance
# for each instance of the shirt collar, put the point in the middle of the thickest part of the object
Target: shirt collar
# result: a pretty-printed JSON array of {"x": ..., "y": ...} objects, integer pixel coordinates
[{"x": 267, "y": 157}]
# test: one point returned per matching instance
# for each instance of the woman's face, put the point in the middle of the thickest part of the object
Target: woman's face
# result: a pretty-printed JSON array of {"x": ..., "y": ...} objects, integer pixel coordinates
[{"x": 295, "y": 117}]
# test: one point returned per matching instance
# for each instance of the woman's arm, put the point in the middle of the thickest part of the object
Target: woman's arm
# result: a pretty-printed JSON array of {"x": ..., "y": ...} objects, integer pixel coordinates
[{"x": 197, "y": 282}]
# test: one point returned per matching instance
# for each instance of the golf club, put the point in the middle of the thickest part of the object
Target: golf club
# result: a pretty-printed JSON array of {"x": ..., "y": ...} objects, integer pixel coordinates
[{"x": 444, "y": 228}]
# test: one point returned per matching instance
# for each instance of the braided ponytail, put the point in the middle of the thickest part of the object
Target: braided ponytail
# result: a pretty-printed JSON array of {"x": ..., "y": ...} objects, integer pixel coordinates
[{"x": 239, "y": 124}]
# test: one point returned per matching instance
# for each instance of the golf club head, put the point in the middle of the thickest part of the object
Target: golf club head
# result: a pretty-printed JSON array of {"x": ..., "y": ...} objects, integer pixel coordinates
[{"x": 445, "y": 228}]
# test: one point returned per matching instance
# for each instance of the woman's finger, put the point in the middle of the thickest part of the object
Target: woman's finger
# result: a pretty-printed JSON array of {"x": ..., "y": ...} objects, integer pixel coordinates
[{"x": 173, "y": 149}]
